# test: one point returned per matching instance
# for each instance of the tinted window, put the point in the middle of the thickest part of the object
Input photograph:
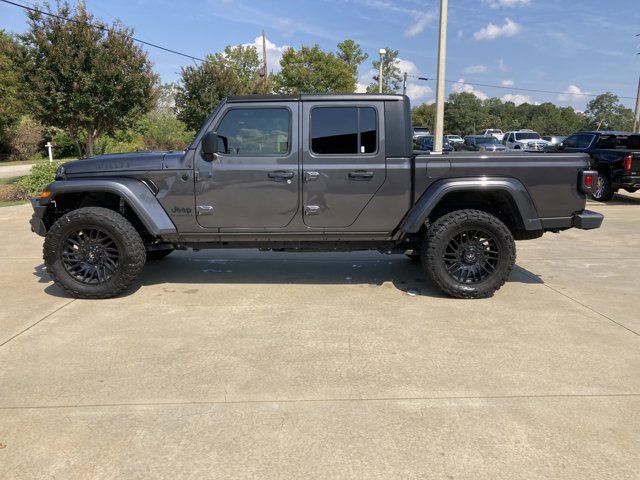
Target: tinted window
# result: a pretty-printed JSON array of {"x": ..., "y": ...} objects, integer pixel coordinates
[
  {"x": 527, "y": 136},
  {"x": 254, "y": 132},
  {"x": 343, "y": 130},
  {"x": 368, "y": 130},
  {"x": 584, "y": 140},
  {"x": 571, "y": 142}
]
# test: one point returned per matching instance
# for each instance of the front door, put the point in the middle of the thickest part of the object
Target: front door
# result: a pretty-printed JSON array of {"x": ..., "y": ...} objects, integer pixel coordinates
[
  {"x": 343, "y": 161},
  {"x": 252, "y": 183}
]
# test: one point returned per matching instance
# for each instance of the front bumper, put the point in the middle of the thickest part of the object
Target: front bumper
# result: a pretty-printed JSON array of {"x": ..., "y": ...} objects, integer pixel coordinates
[
  {"x": 587, "y": 220},
  {"x": 37, "y": 222}
]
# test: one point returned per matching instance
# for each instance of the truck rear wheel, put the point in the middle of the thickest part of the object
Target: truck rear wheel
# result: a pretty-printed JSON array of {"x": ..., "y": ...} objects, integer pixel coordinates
[
  {"x": 468, "y": 254},
  {"x": 604, "y": 190},
  {"x": 93, "y": 253}
]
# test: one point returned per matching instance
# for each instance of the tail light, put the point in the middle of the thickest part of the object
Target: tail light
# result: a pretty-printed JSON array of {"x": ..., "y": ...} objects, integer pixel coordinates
[
  {"x": 626, "y": 163},
  {"x": 588, "y": 181}
]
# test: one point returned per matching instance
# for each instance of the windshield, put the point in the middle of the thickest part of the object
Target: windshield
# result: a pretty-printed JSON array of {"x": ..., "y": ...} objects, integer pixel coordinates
[
  {"x": 455, "y": 137},
  {"x": 487, "y": 141},
  {"x": 528, "y": 136}
]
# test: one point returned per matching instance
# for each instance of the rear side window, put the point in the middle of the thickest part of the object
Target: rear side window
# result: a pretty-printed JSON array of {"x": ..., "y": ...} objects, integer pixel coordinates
[
  {"x": 246, "y": 132},
  {"x": 344, "y": 130}
]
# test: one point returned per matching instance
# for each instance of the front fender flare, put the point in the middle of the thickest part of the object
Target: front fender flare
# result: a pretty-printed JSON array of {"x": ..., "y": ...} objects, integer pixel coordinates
[
  {"x": 437, "y": 191},
  {"x": 134, "y": 192}
]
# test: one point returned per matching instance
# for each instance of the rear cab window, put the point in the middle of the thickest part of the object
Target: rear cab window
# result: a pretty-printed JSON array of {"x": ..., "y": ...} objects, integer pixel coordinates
[{"x": 344, "y": 130}]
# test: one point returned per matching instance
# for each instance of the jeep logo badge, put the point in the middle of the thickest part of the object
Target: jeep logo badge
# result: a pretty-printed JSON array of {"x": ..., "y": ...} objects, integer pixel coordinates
[{"x": 181, "y": 211}]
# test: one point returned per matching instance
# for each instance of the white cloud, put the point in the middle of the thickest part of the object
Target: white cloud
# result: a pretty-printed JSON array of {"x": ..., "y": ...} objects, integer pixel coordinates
[
  {"x": 274, "y": 52},
  {"x": 572, "y": 93},
  {"x": 502, "y": 66},
  {"x": 361, "y": 87},
  {"x": 517, "y": 98},
  {"x": 422, "y": 22},
  {"x": 461, "y": 87},
  {"x": 491, "y": 31},
  {"x": 507, "y": 83},
  {"x": 408, "y": 66},
  {"x": 506, "y": 3},
  {"x": 475, "y": 69},
  {"x": 417, "y": 92}
]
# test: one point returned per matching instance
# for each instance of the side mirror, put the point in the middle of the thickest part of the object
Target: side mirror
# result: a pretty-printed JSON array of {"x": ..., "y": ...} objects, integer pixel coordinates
[{"x": 209, "y": 145}]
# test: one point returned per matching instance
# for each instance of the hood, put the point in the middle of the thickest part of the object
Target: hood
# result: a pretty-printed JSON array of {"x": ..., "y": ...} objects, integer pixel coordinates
[
  {"x": 544, "y": 142},
  {"x": 117, "y": 162}
]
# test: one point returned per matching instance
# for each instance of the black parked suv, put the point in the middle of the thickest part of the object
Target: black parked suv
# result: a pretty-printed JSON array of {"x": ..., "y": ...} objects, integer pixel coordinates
[
  {"x": 307, "y": 173},
  {"x": 614, "y": 155}
]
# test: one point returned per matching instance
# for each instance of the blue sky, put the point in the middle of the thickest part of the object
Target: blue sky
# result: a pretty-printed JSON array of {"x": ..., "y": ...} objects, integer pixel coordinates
[{"x": 570, "y": 46}]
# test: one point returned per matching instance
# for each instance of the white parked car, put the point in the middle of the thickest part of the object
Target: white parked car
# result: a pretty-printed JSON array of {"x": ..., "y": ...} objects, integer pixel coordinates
[
  {"x": 493, "y": 132},
  {"x": 455, "y": 140},
  {"x": 526, "y": 140}
]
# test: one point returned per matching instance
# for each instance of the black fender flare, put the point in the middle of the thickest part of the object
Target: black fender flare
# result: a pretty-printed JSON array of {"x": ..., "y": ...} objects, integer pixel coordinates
[
  {"x": 438, "y": 190},
  {"x": 135, "y": 193}
]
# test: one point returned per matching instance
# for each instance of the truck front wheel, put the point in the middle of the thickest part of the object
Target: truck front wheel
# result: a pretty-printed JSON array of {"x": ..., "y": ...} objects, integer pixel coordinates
[
  {"x": 468, "y": 254},
  {"x": 93, "y": 252},
  {"x": 604, "y": 190}
]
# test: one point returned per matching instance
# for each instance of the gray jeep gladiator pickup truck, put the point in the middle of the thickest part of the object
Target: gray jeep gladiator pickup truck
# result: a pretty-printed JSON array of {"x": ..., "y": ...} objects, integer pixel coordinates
[{"x": 308, "y": 172}]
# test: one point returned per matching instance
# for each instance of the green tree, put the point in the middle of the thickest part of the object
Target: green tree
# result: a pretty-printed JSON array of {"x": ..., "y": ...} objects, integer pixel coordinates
[
  {"x": 10, "y": 85},
  {"x": 392, "y": 77},
  {"x": 83, "y": 75},
  {"x": 202, "y": 87},
  {"x": 465, "y": 114},
  {"x": 606, "y": 112},
  {"x": 423, "y": 115},
  {"x": 311, "y": 70},
  {"x": 351, "y": 53}
]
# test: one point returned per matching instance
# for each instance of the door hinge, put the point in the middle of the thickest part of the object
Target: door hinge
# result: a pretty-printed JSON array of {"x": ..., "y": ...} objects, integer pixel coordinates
[
  {"x": 311, "y": 176},
  {"x": 311, "y": 210},
  {"x": 203, "y": 210}
]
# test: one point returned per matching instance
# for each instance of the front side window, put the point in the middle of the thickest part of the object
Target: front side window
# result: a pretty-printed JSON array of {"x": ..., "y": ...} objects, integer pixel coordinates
[
  {"x": 584, "y": 140},
  {"x": 344, "y": 130},
  {"x": 247, "y": 132}
]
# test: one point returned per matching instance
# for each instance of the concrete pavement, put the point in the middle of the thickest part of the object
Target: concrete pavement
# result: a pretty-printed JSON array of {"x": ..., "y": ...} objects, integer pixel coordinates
[
  {"x": 241, "y": 364},
  {"x": 8, "y": 171}
]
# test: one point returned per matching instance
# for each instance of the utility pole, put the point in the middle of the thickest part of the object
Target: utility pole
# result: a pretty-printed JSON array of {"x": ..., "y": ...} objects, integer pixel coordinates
[
  {"x": 442, "y": 61},
  {"x": 404, "y": 84},
  {"x": 636, "y": 120},
  {"x": 265, "y": 79},
  {"x": 383, "y": 53}
]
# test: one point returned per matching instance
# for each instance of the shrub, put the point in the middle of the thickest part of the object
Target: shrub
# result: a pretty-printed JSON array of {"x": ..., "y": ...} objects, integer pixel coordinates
[
  {"x": 163, "y": 131},
  {"x": 42, "y": 174},
  {"x": 24, "y": 138}
]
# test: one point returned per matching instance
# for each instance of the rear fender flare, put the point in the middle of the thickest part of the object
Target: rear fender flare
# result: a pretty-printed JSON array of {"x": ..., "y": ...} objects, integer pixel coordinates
[
  {"x": 135, "y": 193},
  {"x": 436, "y": 192}
]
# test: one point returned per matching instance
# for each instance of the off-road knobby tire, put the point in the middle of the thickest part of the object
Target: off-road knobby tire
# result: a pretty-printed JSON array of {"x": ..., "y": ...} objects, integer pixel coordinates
[
  {"x": 130, "y": 248},
  {"x": 437, "y": 238},
  {"x": 607, "y": 189},
  {"x": 155, "y": 255}
]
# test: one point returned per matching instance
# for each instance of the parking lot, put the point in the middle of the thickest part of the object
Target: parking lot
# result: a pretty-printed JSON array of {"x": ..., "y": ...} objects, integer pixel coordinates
[{"x": 275, "y": 365}]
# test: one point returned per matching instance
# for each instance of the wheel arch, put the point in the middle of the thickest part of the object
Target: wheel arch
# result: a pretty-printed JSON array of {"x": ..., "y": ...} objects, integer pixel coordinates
[
  {"x": 487, "y": 194},
  {"x": 135, "y": 194}
]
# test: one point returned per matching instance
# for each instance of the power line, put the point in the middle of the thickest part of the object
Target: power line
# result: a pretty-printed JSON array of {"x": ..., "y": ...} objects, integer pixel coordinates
[
  {"x": 531, "y": 90},
  {"x": 104, "y": 29}
]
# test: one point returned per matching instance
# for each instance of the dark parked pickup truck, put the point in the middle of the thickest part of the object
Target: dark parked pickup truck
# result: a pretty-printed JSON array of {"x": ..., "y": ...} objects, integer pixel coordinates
[
  {"x": 308, "y": 172},
  {"x": 614, "y": 155}
]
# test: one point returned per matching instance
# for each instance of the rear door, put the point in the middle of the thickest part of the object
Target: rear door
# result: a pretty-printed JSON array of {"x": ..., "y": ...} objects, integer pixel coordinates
[
  {"x": 253, "y": 182},
  {"x": 343, "y": 162}
]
